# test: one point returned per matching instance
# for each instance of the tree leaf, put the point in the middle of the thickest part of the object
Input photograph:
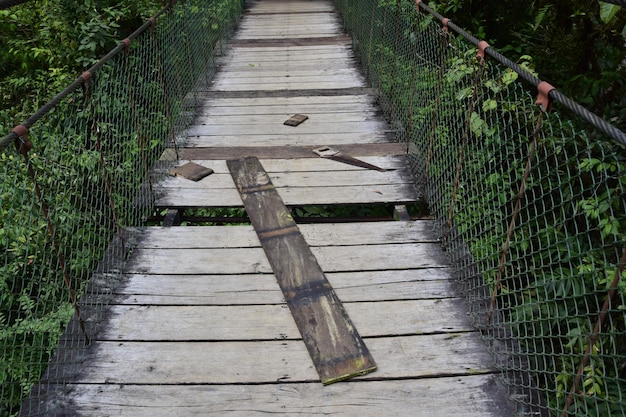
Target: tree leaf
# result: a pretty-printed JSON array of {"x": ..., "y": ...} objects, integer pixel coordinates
[{"x": 608, "y": 11}]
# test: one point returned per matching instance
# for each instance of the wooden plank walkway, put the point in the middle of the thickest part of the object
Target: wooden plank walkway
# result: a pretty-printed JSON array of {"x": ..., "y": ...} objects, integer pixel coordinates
[{"x": 202, "y": 328}]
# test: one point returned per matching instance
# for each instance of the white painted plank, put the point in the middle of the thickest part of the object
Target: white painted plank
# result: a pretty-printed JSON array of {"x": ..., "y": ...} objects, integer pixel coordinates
[{"x": 277, "y": 361}]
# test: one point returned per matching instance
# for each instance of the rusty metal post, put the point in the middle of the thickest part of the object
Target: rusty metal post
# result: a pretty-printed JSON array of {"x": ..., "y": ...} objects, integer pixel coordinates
[
  {"x": 544, "y": 102},
  {"x": 606, "y": 306}
]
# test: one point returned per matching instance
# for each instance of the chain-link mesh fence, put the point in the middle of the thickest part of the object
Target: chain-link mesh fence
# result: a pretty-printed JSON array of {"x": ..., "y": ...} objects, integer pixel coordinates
[
  {"x": 78, "y": 172},
  {"x": 530, "y": 205}
]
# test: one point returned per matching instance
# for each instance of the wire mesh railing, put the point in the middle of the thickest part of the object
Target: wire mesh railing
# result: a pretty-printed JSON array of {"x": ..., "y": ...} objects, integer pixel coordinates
[
  {"x": 529, "y": 203},
  {"x": 74, "y": 175}
]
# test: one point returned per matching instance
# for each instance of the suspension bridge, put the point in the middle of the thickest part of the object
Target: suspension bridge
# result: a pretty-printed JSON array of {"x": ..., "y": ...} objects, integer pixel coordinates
[{"x": 290, "y": 112}]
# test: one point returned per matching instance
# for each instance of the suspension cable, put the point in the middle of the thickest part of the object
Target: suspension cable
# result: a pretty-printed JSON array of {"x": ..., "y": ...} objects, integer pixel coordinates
[{"x": 593, "y": 119}]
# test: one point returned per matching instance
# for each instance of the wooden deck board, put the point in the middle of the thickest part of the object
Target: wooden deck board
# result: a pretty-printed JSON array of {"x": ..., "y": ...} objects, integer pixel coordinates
[
  {"x": 441, "y": 397},
  {"x": 274, "y": 321},
  {"x": 200, "y": 326},
  {"x": 332, "y": 234},
  {"x": 253, "y": 361},
  {"x": 258, "y": 289}
]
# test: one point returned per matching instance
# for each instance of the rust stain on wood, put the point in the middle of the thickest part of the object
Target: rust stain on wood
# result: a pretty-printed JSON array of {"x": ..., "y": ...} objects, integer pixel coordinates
[{"x": 336, "y": 348}]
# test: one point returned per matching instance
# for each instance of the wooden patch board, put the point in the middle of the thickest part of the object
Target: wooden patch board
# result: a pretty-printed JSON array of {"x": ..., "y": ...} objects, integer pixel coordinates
[{"x": 336, "y": 348}]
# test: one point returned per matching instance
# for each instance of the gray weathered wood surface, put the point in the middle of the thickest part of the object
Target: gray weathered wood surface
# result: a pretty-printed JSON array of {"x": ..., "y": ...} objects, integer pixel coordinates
[{"x": 200, "y": 326}]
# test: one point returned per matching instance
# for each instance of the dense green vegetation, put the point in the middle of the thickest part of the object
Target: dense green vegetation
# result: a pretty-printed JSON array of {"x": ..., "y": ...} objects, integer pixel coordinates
[
  {"x": 541, "y": 259},
  {"x": 45, "y": 44},
  {"x": 578, "y": 46},
  {"x": 564, "y": 249},
  {"x": 90, "y": 158}
]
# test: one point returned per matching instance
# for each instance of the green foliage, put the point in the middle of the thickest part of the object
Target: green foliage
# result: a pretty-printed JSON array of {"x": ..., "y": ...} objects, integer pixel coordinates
[
  {"x": 45, "y": 44},
  {"x": 477, "y": 138},
  {"x": 91, "y": 158},
  {"x": 577, "y": 45}
]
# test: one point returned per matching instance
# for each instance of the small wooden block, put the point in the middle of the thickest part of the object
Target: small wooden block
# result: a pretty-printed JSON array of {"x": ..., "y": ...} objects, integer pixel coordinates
[
  {"x": 191, "y": 171},
  {"x": 295, "y": 120},
  {"x": 335, "y": 347},
  {"x": 173, "y": 218},
  {"x": 401, "y": 213}
]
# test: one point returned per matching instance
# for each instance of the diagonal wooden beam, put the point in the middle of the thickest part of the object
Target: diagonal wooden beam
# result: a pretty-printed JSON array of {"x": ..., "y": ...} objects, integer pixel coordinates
[{"x": 337, "y": 350}]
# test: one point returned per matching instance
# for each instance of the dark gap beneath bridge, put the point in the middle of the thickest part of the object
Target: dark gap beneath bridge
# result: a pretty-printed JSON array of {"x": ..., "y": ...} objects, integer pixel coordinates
[{"x": 344, "y": 213}]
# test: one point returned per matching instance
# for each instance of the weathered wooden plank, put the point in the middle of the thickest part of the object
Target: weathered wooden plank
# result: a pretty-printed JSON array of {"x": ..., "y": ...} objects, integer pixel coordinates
[
  {"x": 311, "y": 92},
  {"x": 302, "y": 196},
  {"x": 255, "y": 62},
  {"x": 286, "y": 74},
  {"x": 313, "y": 126},
  {"x": 260, "y": 46},
  {"x": 286, "y": 361},
  {"x": 274, "y": 322},
  {"x": 301, "y": 179},
  {"x": 265, "y": 29},
  {"x": 291, "y": 7},
  {"x": 261, "y": 43},
  {"x": 294, "y": 139},
  {"x": 286, "y": 81},
  {"x": 285, "y": 34},
  {"x": 380, "y": 154},
  {"x": 224, "y": 111},
  {"x": 426, "y": 397},
  {"x": 334, "y": 344},
  {"x": 253, "y": 260},
  {"x": 254, "y": 120},
  {"x": 254, "y": 65},
  {"x": 241, "y": 55},
  {"x": 287, "y": 19},
  {"x": 340, "y": 113},
  {"x": 354, "y": 103},
  {"x": 330, "y": 234},
  {"x": 253, "y": 85},
  {"x": 410, "y": 284}
]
